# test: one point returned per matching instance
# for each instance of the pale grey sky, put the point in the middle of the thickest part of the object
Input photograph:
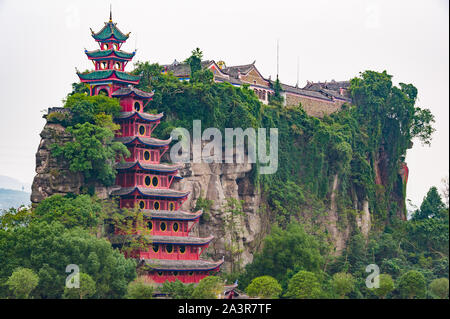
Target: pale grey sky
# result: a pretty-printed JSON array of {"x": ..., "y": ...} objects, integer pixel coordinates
[{"x": 43, "y": 42}]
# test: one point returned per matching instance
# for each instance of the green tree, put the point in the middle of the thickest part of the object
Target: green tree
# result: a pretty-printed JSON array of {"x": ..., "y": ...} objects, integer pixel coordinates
[
  {"x": 85, "y": 290},
  {"x": 342, "y": 284},
  {"x": 195, "y": 60},
  {"x": 386, "y": 286},
  {"x": 139, "y": 289},
  {"x": 177, "y": 290},
  {"x": 21, "y": 282},
  {"x": 432, "y": 206},
  {"x": 264, "y": 287},
  {"x": 412, "y": 284},
  {"x": 47, "y": 249},
  {"x": 285, "y": 250},
  {"x": 70, "y": 211},
  {"x": 208, "y": 288},
  {"x": 304, "y": 285},
  {"x": 439, "y": 288},
  {"x": 92, "y": 152}
]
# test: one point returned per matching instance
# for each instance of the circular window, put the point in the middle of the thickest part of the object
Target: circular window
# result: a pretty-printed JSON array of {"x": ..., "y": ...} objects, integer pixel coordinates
[
  {"x": 116, "y": 46},
  {"x": 150, "y": 225},
  {"x": 141, "y": 204},
  {"x": 160, "y": 273},
  {"x": 155, "y": 181},
  {"x": 175, "y": 273},
  {"x": 182, "y": 249},
  {"x": 137, "y": 106},
  {"x": 103, "y": 65},
  {"x": 191, "y": 273},
  {"x": 142, "y": 130},
  {"x": 169, "y": 248},
  {"x": 147, "y": 180},
  {"x": 171, "y": 206},
  {"x": 156, "y": 205},
  {"x": 146, "y": 155},
  {"x": 175, "y": 227},
  {"x": 105, "y": 46},
  {"x": 163, "y": 226},
  {"x": 155, "y": 248}
]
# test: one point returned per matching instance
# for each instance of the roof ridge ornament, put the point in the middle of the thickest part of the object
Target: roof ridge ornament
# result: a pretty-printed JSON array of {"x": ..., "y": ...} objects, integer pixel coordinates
[{"x": 110, "y": 12}]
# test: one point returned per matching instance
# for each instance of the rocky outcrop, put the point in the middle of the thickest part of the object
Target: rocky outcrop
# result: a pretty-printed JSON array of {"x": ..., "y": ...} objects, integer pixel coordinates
[
  {"x": 52, "y": 174},
  {"x": 218, "y": 182}
]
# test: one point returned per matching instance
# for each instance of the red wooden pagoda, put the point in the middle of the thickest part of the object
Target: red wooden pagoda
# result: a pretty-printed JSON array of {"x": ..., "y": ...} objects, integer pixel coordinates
[{"x": 142, "y": 180}]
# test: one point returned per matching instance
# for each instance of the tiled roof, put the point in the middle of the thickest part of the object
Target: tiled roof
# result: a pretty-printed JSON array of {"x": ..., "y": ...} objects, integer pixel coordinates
[
  {"x": 141, "y": 115},
  {"x": 149, "y": 167},
  {"x": 110, "y": 30},
  {"x": 129, "y": 90},
  {"x": 144, "y": 191},
  {"x": 165, "y": 239},
  {"x": 235, "y": 70},
  {"x": 149, "y": 141},
  {"x": 104, "y": 53},
  {"x": 180, "y": 265},
  {"x": 104, "y": 74},
  {"x": 171, "y": 215}
]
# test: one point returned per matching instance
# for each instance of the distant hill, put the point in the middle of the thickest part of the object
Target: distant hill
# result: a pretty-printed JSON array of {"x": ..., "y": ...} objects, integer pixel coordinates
[
  {"x": 13, "y": 198},
  {"x": 7, "y": 182}
]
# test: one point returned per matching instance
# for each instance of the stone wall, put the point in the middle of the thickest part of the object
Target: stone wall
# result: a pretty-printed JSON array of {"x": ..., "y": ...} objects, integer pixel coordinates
[{"x": 312, "y": 106}]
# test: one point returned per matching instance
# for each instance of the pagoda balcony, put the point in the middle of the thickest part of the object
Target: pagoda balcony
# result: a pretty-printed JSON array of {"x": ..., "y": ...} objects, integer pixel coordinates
[
  {"x": 144, "y": 155},
  {"x": 135, "y": 127},
  {"x": 152, "y": 179}
]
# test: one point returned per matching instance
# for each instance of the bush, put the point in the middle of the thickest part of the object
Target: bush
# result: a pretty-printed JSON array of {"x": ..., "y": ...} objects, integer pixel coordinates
[
  {"x": 412, "y": 284},
  {"x": 439, "y": 288},
  {"x": 304, "y": 285},
  {"x": 264, "y": 287},
  {"x": 139, "y": 289},
  {"x": 21, "y": 282},
  {"x": 208, "y": 288}
]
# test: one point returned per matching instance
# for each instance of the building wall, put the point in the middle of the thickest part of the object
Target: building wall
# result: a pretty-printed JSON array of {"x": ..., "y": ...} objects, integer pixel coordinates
[
  {"x": 312, "y": 106},
  {"x": 253, "y": 77}
]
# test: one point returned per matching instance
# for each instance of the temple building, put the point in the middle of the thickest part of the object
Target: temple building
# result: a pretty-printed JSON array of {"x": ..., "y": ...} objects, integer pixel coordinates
[
  {"x": 142, "y": 181},
  {"x": 317, "y": 99}
]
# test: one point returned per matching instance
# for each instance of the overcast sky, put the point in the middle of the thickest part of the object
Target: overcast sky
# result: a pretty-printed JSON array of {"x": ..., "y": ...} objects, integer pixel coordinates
[{"x": 43, "y": 42}]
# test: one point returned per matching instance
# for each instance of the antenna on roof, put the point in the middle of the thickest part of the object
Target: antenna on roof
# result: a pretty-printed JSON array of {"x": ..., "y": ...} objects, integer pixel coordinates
[
  {"x": 298, "y": 70},
  {"x": 110, "y": 12},
  {"x": 278, "y": 57}
]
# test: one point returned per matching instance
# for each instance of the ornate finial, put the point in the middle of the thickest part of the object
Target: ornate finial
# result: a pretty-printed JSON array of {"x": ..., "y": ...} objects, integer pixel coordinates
[
  {"x": 76, "y": 70},
  {"x": 110, "y": 12},
  {"x": 92, "y": 31}
]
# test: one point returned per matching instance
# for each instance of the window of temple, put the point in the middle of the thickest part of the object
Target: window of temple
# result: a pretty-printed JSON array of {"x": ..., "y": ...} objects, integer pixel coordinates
[
  {"x": 141, "y": 204},
  {"x": 175, "y": 273},
  {"x": 137, "y": 106},
  {"x": 175, "y": 227},
  {"x": 163, "y": 226},
  {"x": 155, "y": 248},
  {"x": 116, "y": 46},
  {"x": 103, "y": 65},
  {"x": 105, "y": 46},
  {"x": 157, "y": 206},
  {"x": 117, "y": 66},
  {"x": 160, "y": 273},
  {"x": 191, "y": 273},
  {"x": 147, "y": 180},
  {"x": 182, "y": 249},
  {"x": 155, "y": 181},
  {"x": 169, "y": 248},
  {"x": 141, "y": 129},
  {"x": 103, "y": 92},
  {"x": 146, "y": 155},
  {"x": 150, "y": 225},
  {"x": 171, "y": 206}
]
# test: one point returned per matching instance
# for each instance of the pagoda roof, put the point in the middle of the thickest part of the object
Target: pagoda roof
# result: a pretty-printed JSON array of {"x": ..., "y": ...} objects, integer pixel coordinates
[
  {"x": 130, "y": 90},
  {"x": 107, "y": 74},
  {"x": 148, "y": 167},
  {"x": 181, "y": 265},
  {"x": 149, "y": 141},
  {"x": 110, "y": 31},
  {"x": 96, "y": 54},
  {"x": 144, "y": 191},
  {"x": 171, "y": 214},
  {"x": 164, "y": 239},
  {"x": 142, "y": 115}
]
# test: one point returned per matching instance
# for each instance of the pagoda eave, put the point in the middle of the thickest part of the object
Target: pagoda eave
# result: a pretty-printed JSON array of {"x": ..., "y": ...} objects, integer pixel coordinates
[
  {"x": 180, "y": 265},
  {"x": 150, "y": 192},
  {"x": 148, "y": 141},
  {"x": 147, "y": 167},
  {"x": 138, "y": 115}
]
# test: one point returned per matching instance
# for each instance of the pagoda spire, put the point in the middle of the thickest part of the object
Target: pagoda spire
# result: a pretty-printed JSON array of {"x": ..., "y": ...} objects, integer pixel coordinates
[{"x": 110, "y": 12}]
